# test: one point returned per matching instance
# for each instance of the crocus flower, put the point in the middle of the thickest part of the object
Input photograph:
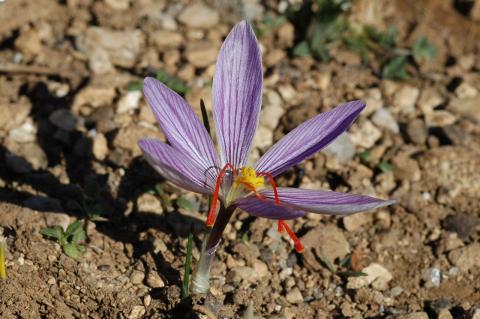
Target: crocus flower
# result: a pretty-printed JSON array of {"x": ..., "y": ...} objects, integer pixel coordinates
[{"x": 190, "y": 160}]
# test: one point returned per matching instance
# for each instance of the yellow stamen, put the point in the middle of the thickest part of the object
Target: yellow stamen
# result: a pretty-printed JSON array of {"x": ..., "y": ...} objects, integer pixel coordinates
[{"x": 248, "y": 176}]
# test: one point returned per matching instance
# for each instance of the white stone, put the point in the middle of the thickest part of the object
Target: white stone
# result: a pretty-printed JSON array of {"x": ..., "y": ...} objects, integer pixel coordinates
[
  {"x": 365, "y": 134},
  {"x": 199, "y": 15},
  {"x": 342, "y": 148},
  {"x": 405, "y": 98},
  {"x": 263, "y": 137},
  {"x": 294, "y": 296},
  {"x": 384, "y": 118},
  {"x": 129, "y": 101},
  {"x": 23, "y": 134},
  {"x": 377, "y": 275},
  {"x": 100, "y": 146},
  {"x": 272, "y": 111}
]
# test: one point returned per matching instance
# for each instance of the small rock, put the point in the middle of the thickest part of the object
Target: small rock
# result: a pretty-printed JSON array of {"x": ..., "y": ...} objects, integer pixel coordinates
[
  {"x": 128, "y": 136},
  {"x": 94, "y": 96},
  {"x": 373, "y": 100},
  {"x": 476, "y": 312},
  {"x": 417, "y": 131},
  {"x": 327, "y": 242},
  {"x": 22, "y": 158},
  {"x": 462, "y": 224},
  {"x": 466, "y": 90},
  {"x": 263, "y": 137},
  {"x": 29, "y": 42},
  {"x": 119, "y": 5},
  {"x": 201, "y": 53},
  {"x": 129, "y": 102},
  {"x": 63, "y": 119},
  {"x": 466, "y": 258},
  {"x": 342, "y": 148},
  {"x": 272, "y": 111},
  {"x": 164, "y": 39},
  {"x": 429, "y": 100},
  {"x": 468, "y": 107},
  {"x": 356, "y": 221},
  {"x": 137, "y": 277},
  {"x": 274, "y": 57},
  {"x": 365, "y": 134},
  {"x": 14, "y": 114},
  {"x": 440, "y": 118},
  {"x": 149, "y": 203},
  {"x": 383, "y": 118},
  {"x": 23, "y": 134},
  {"x": 475, "y": 14},
  {"x": 432, "y": 277},
  {"x": 294, "y": 296},
  {"x": 103, "y": 118},
  {"x": 444, "y": 314},
  {"x": 406, "y": 168},
  {"x": 405, "y": 98},
  {"x": 243, "y": 273},
  {"x": 198, "y": 15},
  {"x": 377, "y": 275},
  {"x": 415, "y": 315},
  {"x": 154, "y": 280},
  {"x": 286, "y": 35},
  {"x": 100, "y": 146},
  {"x": 137, "y": 312},
  {"x": 121, "y": 47}
]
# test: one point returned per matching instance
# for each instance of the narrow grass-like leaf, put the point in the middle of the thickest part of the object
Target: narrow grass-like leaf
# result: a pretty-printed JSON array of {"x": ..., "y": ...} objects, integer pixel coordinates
[
  {"x": 3, "y": 268},
  {"x": 206, "y": 122},
  {"x": 186, "y": 275}
]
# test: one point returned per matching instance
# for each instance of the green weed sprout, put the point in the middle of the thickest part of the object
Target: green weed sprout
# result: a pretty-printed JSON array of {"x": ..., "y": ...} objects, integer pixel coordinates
[
  {"x": 70, "y": 239},
  {"x": 186, "y": 275}
]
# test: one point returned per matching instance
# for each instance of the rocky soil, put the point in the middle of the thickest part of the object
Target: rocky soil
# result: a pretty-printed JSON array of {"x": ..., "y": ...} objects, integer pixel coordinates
[{"x": 72, "y": 112}]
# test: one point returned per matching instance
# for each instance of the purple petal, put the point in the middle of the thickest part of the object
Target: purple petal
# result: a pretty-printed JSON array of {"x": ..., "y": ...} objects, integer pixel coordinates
[
  {"x": 183, "y": 129},
  {"x": 175, "y": 167},
  {"x": 267, "y": 208},
  {"x": 325, "y": 202},
  {"x": 308, "y": 138},
  {"x": 237, "y": 94}
]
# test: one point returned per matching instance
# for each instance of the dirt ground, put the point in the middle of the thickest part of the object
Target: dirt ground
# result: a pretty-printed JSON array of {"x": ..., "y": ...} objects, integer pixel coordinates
[{"x": 71, "y": 115}]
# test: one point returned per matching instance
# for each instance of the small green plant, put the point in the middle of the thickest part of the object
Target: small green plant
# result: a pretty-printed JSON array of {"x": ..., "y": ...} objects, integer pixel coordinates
[
  {"x": 172, "y": 82},
  {"x": 330, "y": 29},
  {"x": 70, "y": 239},
  {"x": 385, "y": 166}
]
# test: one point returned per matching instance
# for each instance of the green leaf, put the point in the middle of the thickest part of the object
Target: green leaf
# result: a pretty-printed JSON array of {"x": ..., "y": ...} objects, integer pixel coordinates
[
  {"x": 172, "y": 82},
  {"x": 78, "y": 236},
  {"x": 345, "y": 263},
  {"x": 364, "y": 156},
  {"x": 186, "y": 275},
  {"x": 53, "y": 232},
  {"x": 423, "y": 50},
  {"x": 72, "y": 250},
  {"x": 74, "y": 228},
  {"x": 385, "y": 166},
  {"x": 396, "y": 69},
  {"x": 184, "y": 203},
  {"x": 135, "y": 86},
  {"x": 301, "y": 49}
]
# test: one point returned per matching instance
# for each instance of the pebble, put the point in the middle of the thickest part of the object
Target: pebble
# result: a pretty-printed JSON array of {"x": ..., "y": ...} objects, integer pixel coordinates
[
  {"x": 137, "y": 312},
  {"x": 63, "y": 119},
  {"x": 198, "y": 15},
  {"x": 328, "y": 242},
  {"x": 22, "y": 158},
  {"x": 149, "y": 203},
  {"x": 100, "y": 146},
  {"x": 342, "y": 148},
  {"x": 406, "y": 168},
  {"x": 466, "y": 90},
  {"x": 103, "y": 118},
  {"x": 137, "y": 277},
  {"x": 417, "y": 131},
  {"x": 466, "y": 258},
  {"x": 164, "y": 39},
  {"x": 23, "y": 134},
  {"x": 467, "y": 107},
  {"x": 373, "y": 100},
  {"x": 383, "y": 118},
  {"x": 444, "y": 314},
  {"x": 365, "y": 134},
  {"x": 154, "y": 280},
  {"x": 377, "y": 275},
  {"x": 120, "y": 48},
  {"x": 272, "y": 110},
  {"x": 94, "y": 96},
  {"x": 294, "y": 296},
  {"x": 429, "y": 99},
  {"x": 476, "y": 312},
  {"x": 462, "y": 224},
  {"x": 14, "y": 114},
  {"x": 129, "y": 102},
  {"x": 432, "y": 277},
  {"x": 118, "y": 4},
  {"x": 405, "y": 98},
  {"x": 129, "y": 135},
  {"x": 201, "y": 53},
  {"x": 263, "y": 137},
  {"x": 29, "y": 42},
  {"x": 356, "y": 221},
  {"x": 415, "y": 315},
  {"x": 440, "y": 118}
]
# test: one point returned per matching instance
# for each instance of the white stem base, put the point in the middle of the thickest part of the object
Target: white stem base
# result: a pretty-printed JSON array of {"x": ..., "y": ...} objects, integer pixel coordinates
[{"x": 201, "y": 275}]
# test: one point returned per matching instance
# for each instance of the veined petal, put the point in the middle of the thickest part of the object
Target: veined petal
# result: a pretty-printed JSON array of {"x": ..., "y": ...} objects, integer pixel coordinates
[
  {"x": 183, "y": 129},
  {"x": 174, "y": 166},
  {"x": 237, "y": 94},
  {"x": 267, "y": 208},
  {"x": 325, "y": 202},
  {"x": 308, "y": 138}
]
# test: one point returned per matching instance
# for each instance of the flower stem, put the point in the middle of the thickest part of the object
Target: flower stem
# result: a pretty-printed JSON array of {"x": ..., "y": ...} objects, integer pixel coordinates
[
  {"x": 3, "y": 271},
  {"x": 201, "y": 276}
]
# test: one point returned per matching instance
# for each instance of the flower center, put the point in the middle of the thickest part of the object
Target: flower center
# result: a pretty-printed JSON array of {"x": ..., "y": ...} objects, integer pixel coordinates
[{"x": 249, "y": 179}]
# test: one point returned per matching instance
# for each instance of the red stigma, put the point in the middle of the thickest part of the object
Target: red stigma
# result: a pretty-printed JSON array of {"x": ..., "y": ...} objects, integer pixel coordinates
[{"x": 218, "y": 184}]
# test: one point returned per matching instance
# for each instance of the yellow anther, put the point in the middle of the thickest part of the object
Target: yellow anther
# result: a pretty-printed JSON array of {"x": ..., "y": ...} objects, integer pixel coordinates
[{"x": 248, "y": 176}]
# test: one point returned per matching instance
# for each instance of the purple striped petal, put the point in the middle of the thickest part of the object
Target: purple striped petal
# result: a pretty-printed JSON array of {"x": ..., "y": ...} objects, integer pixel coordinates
[
  {"x": 267, "y": 208},
  {"x": 237, "y": 94},
  {"x": 308, "y": 138},
  {"x": 175, "y": 167},
  {"x": 183, "y": 129},
  {"x": 325, "y": 202}
]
